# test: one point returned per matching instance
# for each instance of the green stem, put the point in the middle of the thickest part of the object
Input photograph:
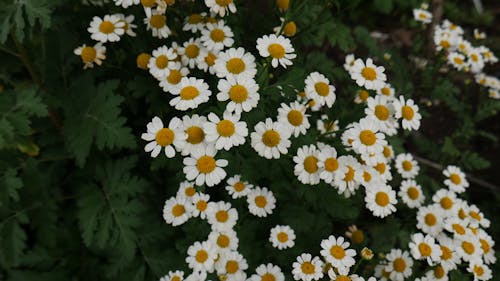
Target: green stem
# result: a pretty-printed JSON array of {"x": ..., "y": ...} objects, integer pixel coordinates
[{"x": 23, "y": 55}]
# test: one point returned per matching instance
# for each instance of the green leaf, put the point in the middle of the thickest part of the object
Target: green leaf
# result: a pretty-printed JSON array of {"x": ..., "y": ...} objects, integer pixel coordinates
[
  {"x": 18, "y": 13},
  {"x": 473, "y": 161},
  {"x": 94, "y": 117},
  {"x": 12, "y": 240},
  {"x": 9, "y": 186}
]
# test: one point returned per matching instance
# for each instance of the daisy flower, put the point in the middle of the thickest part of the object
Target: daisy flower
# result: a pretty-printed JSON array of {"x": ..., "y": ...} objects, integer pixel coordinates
[
  {"x": 201, "y": 256},
  {"x": 279, "y": 48},
  {"x": 193, "y": 127},
  {"x": 197, "y": 276},
  {"x": 438, "y": 273},
  {"x": 271, "y": 139},
  {"x": 381, "y": 111},
  {"x": 221, "y": 216},
  {"x": 221, "y": 7},
  {"x": 294, "y": 115},
  {"x": 446, "y": 200},
  {"x": 355, "y": 235},
  {"x": 408, "y": 112},
  {"x": 190, "y": 52},
  {"x": 235, "y": 62},
  {"x": 476, "y": 217},
  {"x": 425, "y": 248},
  {"x": 422, "y": 15},
  {"x": 162, "y": 61},
  {"x": 487, "y": 244},
  {"x": 206, "y": 61},
  {"x": 203, "y": 167},
  {"x": 407, "y": 167},
  {"x": 261, "y": 202},
  {"x": 449, "y": 257},
  {"x": 173, "y": 77},
  {"x": 318, "y": 88},
  {"x": 224, "y": 240},
  {"x": 480, "y": 271},
  {"x": 282, "y": 237},
  {"x": 430, "y": 220},
  {"x": 411, "y": 193},
  {"x": 126, "y": 3},
  {"x": 348, "y": 176},
  {"x": 388, "y": 153},
  {"x": 157, "y": 22},
  {"x": 457, "y": 60},
  {"x": 177, "y": 210},
  {"x": 216, "y": 36},
  {"x": 366, "y": 137},
  {"x": 455, "y": 179},
  {"x": 387, "y": 91},
  {"x": 233, "y": 265},
  {"x": 108, "y": 29},
  {"x": 200, "y": 204},
  {"x": 349, "y": 62},
  {"x": 173, "y": 276},
  {"x": 142, "y": 60},
  {"x": 343, "y": 274},
  {"x": 190, "y": 93},
  {"x": 328, "y": 163},
  {"x": 129, "y": 24},
  {"x": 456, "y": 226},
  {"x": 336, "y": 252},
  {"x": 306, "y": 165},
  {"x": 267, "y": 272},
  {"x": 91, "y": 55},
  {"x": 186, "y": 190},
  {"x": 361, "y": 96},
  {"x": 384, "y": 170},
  {"x": 368, "y": 75},
  {"x": 194, "y": 22},
  {"x": 370, "y": 177},
  {"x": 241, "y": 91},
  {"x": 238, "y": 188},
  {"x": 227, "y": 132},
  {"x": 171, "y": 138},
  {"x": 327, "y": 127},
  {"x": 475, "y": 60},
  {"x": 307, "y": 268},
  {"x": 469, "y": 248},
  {"x": 381, "y": 200}
]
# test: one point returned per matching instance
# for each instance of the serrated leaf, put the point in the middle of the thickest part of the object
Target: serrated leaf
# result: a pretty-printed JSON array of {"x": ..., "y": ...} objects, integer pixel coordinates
[
  {"x": 10, "y": 183},
  {"x": 12, "y": 241},
  {"x": 19, "y": 13}
]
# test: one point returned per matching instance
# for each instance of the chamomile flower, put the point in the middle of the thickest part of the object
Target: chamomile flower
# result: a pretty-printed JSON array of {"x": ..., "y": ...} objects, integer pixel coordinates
[
  {"x": 197, "y": 276},
  {"x": 422, "y": 15},
  {"x": 226, "y": 132},
  {"x": 267, "y": 272},
  {"x": 388, "y": 153},
  {"x": 342, "y": 273},
  {"x": 368, "y": 75},
  {"x": 336, "y": 252},
  {"x": 107, "y": 29},
  {"x": 173, "y": 78},
  {"x": 407, "y": 166},
  {"x": 456, "y": 180},
  {"x": 177, "y": 210},
  {"x": 261, "y": 202},
  {"x": 126, "y": 3},
  {"x": 475, "y": 60},
  {"x": 381, "y": 111},
  {"x": 129, "y": 24},
  {"x": 384, "y": 170},
  {"x": 476, "y": 217},
  {"x": 446, "y": 200},
  {"x": 206, "y": 61},
  {"x": 279, "y": 48},
  {"x": 411, "y": 193},
  {"x": 407, "y": 111},
  {"x": 438, "y": 273},
  {"x": 201, "y": 256},
  {"x": 328, "y": 163},
  {"x": 480, "y": 271},
  {"x": 235, "y": 62},
  {"x": 327, "y": 127},
  {"x": 387, "y": 91},
  {"x": 221, "y": 7},
  {"x": 349, "y": 62},
  {"x": 355, "y": 235},
  {"x": 217, "y": 36},
  {"x": 449, "y": 257},
  {"x": 456, "y": 226},
  {"x": 157, "y": 23},
  {"x": 306, "y": 165},
  {"x": 282, "y": 237},
  {"x": 200, "y": 204},
  {"x": 91, "y": 54},
  {"x": 366, "y": 137},
  {"x": 318, "y": 88},
  {"x": 271, "y": 139},
  {"x": 233, "y": 265},
  {"x": 224, "y": 240},
  {"x": 163, "y": 59},
  {"x": 173, "y": 276},
  {"x": 381, "y": 200},
  {"x": 187, "y": 190},
  {"x": 241, "y": 92},
  {"x": 348, "y": 176},
  {"x": 361, "y": 96},
  {"x": 238, "y": 188},
  {"x": 370, "y": 177},
  {"x": 190, "y": 52},
  {"x": 487, "y": 245},
  {"x": 193, "y": 127},
  {"x": 399, "y": 264},
  {"x": 194, "y": 22},
  {"x": 221, "y": 216},
  {"x": 203, "y": 166},
  {"x": 171, "y": 138},
  {"x": 430, "y": 220},
  {"x": 469, "y": 248},
  {"x": 457, "y": 60},
  {"x": 307, "y": 268},
  {"x": 294, "y": 115},
  {"x": 425, "y": 248},
  {"x": 190, "y": 93}
]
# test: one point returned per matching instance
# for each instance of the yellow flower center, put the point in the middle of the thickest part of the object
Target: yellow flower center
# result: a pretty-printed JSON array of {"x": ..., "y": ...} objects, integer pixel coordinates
[
  {"x": 458, "y": 228},
  {"x": 158, "y": 21},
  {"x": 475, "y": 215},
  {"x": 195, "y": 135},
  {"x": 276, "y": 51},
  {"x": 201, "y": 256},
  {"x": 458, "y": 60},
  {"x": 290, "y": 29},
  {"x": 446, "y": 203},
  {"x": 232, "y": 266},
  {"x": 210, "y": 59},
  {"x": 382, "y": 199},
  {"x": 307, "y": 267},
  {"x": 195, "y": 19},
  {"x": 88, "y": 54},
  {"x": 386, "y": 91},
  {"x": 225, "y": 128},
  {"x": 260, "y": 201},
  {"x": 407, "y": 165},
  {"x": 148, "y": 3},
  {"x": 422, "y": 16},
  {"x": 106, "y": 27},
  {"x": 369, "y": 73},
  {"x": 282, "y": 237},
  {"x": 382, "y": 112},
  {"x": 322, "y": 89},
  {"x": 189, "y": 93},
  {"x": 268, "y": 277},
  {"x": 367, "y": 176},
  {"x": 174, "y": 77},
  {"x": 343, "y": 278},
  {"x": 413, "y": 193},
  {"x": 311, "y": 164},
  {"x": 387, "y": 152},
  {"x": 424, "y": 249},
  {"x": 430, "y": 219},
  {"x": 454, "y": 178},
  {"x": 178, "y": 210},
  {"x": 445, "y": 44},
  {"x": 192, "y": 51},
  {"x": 478, "y": 270},
  {"x": 331, "y": 164},
  {"x": 223, "y": 241},
  {"x": 380, "y": 167},
  {"x": 271, "y": 138},
  {"x": 222, "y": 216},
  {"x": 485, "y": 246},
  {"x": 239, "y": 186},
  {"x": 357, "y": 237},
  {"x": 217, "y": 35},
  {"x": 367, "y": 137},
  {"x": 165, "y": 137},
  {"x": 201, "y": 205},
  {"x": 235, "y": 65},
  {"x": 474, "y": 57},
  {"x": 238, "y": 93},
  {"x": 190, "y": 191},
  {"x": 399, "y": 264},
  {"x": 295, "y": 117},
  {"x": 349, "y": 176},
  {"x": 337, "y": 252},
  {"x": 468, "y": 247},
  {"x": 205, "y": 164},
  {"x": 446, "y": 253},
  {"x": 407, "y": 112},
  {"x": 283, "y": 4},
  {"x": 223, "y": 3},
  {"x": 461, "y": 214},
  {"x": 439, "y": 272},
  {"x": 363, "y": 95},
  {"x": 143, "y": 60},
  {"x": 176, "y": 278},
  {"x": 161, "y": 61}
]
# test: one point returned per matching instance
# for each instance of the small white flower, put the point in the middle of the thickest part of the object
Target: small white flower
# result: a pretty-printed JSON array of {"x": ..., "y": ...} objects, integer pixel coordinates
[
  {"x": 307, "y": 268},
  {"x": 233, "y": 265},
  {"x": 456, "y": 180},
  {"x": 411, "y": 193},
  {"x": 160, "y": 137},
  {"x": 368, "y": 75},
  {"x": 157, "y": 22},
  {"x": 422, "y": 15},
  {"x": 336, "y": 251},
  {"x": 407, "y": 167},
  {"x": 203, "y": 166},
  {"x": 261, "y": 202},
  {"x": 221, "y": 216},
  {"x": 408, "y": 113},
  {"x": 190, "y": 93},
  {"x": 318, "y": 88},
  {"x": 235, "y": 62},
  {"x": 91, "y": 55},
  {"x": 216, "y": 36},
  {"x": 242, "y": 93},
  {"x": 177, "y": 210},
  {"x": 226, "y": 132},
  {"x": 282, "y": 237},
  {"x": 425, "y": 248},
  {"x": 108, "y": 29},
  {"x": 399, "y": 264},
  {"x": 224, "y": 240},
  {"x": 221, "y": 7},
  {"x": 380, "y": 200},
  {"x": 238, "y": 188},
  {"x": 271, "y": 139},
  {"x": 279, "y": 48},
  {"x": 306, "y": 165},
  {"x": 267, "y": 272},
  {"x": 294, "y": 115},
  {"x": 201, "y": 256}
]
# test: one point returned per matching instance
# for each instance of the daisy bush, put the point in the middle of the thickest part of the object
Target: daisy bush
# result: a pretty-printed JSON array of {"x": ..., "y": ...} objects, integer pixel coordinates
[{"x": 235, "y": 140}]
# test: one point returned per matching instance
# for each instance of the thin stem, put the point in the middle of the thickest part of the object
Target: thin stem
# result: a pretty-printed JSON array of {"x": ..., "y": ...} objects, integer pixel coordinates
[
  {"x": 23, "y": 55},
  {"x": 9, "y": 51}
]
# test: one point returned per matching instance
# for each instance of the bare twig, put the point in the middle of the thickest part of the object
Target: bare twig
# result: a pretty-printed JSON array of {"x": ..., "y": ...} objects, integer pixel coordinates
[{"x": 437, "y": 14}]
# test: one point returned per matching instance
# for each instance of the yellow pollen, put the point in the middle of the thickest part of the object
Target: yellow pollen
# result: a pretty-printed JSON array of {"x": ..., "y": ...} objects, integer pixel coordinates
[
  {"x": 424, "y": 249},
  {"x": 195, "y": 19},
  {"x": 223, "y": 3},
  {"x": 461, "y": 214},
  {"x": 430, "y": 219},
  {"x": 399, "y": 264},
  {"x": 189, "y": 93},
  {"x": 363, "y": 95},
  {"x": 382, "y": 199},
  {"x": 165, "y": 137},
  {"x": 485, "y": 246},
  {"x": 190, "y": 191},
  {"x": 386, "y": 91},
  {"x": 407, "y": 112},
  {"x": 349, "y": 176},
  {"x": 195, "y": 135},
  {"x": 380, "y": 167},
  {"x": 343, "y": 278},
  {"x": 283, "y": 4},
  {"x": 223, "y": 241},
  {"x": 192, "y": 51},
  {"x": 382, "y": 112},
  {"x": 337, "y": 252},
  {"x": 268, "y": 277},
  {"x": 322, "y": 89},
  {"x": 88, "y": 54},
  {"x": 311, "y": 164},
  {"x": 369, "y": 73},
  {"x": 445, "y": 44},
  {"x": 239, "y": 186},
  {"x": 176, "y": 278},
  {"x": 468, "y": 247},
  {"x": 413, "y": 193},
  {"x": 446, "y": 203},
  {"x": 174, "y": 77},
  {"x": 312, "y": 103},
  {"x": 478, "y": 270},
  {"x": 290, "y": 29},
  {"x": 271, "y": 138},
  {"x": 474, "y": 57},
  {"x": 260, "y": 201},
  {"x": 238, "y": 93},
  {"x": 331, "y": 164},
  {"x": 178, "y": 210},
  {"x": 205, "y": 164},
  {"x": 422, "y": 16},
  {"x": 222, "y": 216},
  {"x": 282, "y": 237},
  {"x": 295, "y": 117},
  {"x": 407, "y": 165},
  {"x": 106, "y": 27},
  {"x": 217, "y": 35},
  {"x": 201, "y": 256},
  {"x": 148, "y": 3},
  {"x": 454, "y": 178},
  {"x": 201, "y": 205},
  {"x": 458, "y": 228},
  {"x": 235, "y": 65},
  {"x": 387, "y": 152},
  {"x": 475, "y": 215},
  {"x": 232, "y": 266},
  {"x": 308, "y": 268},
  {"x": 357, "y": 237},
  {"x": 158, "y": 21},
  {"x": 161, "y": 61},
  {"x": 446, "y": 253},
  {"x": 367, "y": 137},
  {"x": 458, "y": 60},
  {"x": 276, "y": 51},
  {"x": 210, "y": 59},
  {"x": 225, "y": 128},
  {"x": 367, "y": 176},
  {"x": 143, "y": 60},
  {"x": 439, "y": 272}
]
